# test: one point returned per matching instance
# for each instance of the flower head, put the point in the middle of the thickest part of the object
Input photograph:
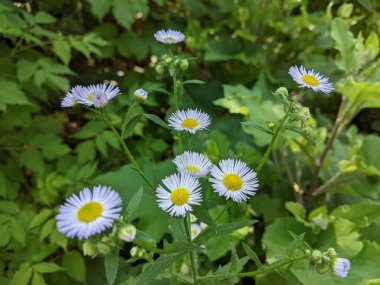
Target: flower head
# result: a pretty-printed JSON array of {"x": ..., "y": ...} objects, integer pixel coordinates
[
  {"x": 341, "y": 266},
  {"x": 311, "y": 79},
  {"x": 234, "y": 179},
  {"x": 98, "y": 95},
  {"x": 195, "y": 230},
  {"x": 140, "y": 95},
  {"x": 195, "y": 163},
  {"x": 189, "y": 120},
  {"x": 169, "y": 36},
  {"x": 127, "y": 233},
  {"x": 89, "y": 212},
  {"x": 71, "y": 98},
  {"x": 180, "y": 191}
]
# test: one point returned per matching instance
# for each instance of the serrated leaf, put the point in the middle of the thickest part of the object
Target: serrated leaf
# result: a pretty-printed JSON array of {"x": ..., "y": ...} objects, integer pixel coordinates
[
  {"x": 125, "y": 11},
  {"x": 22, "y": 275},
  {"x": 38, "y": 279},
  {"x": 100, "y": 8},
  {"x": 44, "y": 18},
  {"x": 18, "y": 231},
  {"x": 134, "y": 204},
  {"x": 111, "y": 264},
  {"x": 252, "y": 255},
  {"x": 40, "y": 218},
  {"x": 62, "y": 49},
  {"x": 25, "y": 69},
  {"x": 157, "y": 120},
  {"x": 9, "y": 207}
]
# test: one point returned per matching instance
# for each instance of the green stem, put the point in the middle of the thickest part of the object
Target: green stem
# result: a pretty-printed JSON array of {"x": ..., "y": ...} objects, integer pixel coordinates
[
  {"x": 194, "y": 270},
  {"x": 264, "y": 269},
  {"x": 175, "y": 91},
  {"x": 127, "y": 118},
  {"x": 226, "y": 207},
  {"x": 274, "y": 137},
  {"x": 127, "y": 152}
]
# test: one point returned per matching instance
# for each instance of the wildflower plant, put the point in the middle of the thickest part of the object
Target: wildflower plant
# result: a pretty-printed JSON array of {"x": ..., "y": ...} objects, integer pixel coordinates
[{"x": 97, "y": 217}]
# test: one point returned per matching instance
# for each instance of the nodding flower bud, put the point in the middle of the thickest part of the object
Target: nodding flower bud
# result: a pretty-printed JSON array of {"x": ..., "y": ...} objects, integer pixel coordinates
[
  {"x": 307, "y": 131},
  {"x": 341, "y": 266},
  {"x": 331, "y": 252},
  {"x": 134, "y": 251},
  {"x": 316, "y": 255},
  {"x": 160, "y": 69},
  {"x": 282, "y": 92},
  {"x": 140, "y": 95},
  {"x": 89, "y": 249},
  {"x": 322, "y": 268},
  {"x": 127, "y": 233},
  {"x": 304, "y": 113},
  {"x": 184, "y": 64}
]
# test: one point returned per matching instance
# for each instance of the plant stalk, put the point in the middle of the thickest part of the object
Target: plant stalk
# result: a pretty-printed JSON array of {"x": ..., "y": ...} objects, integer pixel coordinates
[{"x": 194, "y": 270}]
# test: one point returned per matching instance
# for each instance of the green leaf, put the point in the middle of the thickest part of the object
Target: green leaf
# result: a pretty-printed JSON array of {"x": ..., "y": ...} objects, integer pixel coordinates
[
  {"x": 47, "y": 228},
  {"x": 257, "y": 126},
  {"x": 74, "y": 265},
  {"x": 163, "y": 262},
  {"x": 86, "y": 151},
  {"x": 9, "y": 207},
  {"x": 178, "y": 229},
  {"x": 157, "y": 120},
  {"x": 252, "y": 255},
  {"x": 223, "y": 229},
  {"x": 193, "y": 81},
  {"x": 131, "y": 126},
  {"x": 133, "y": 204},
  {"x": 5, "y": 235},
  {"x": 11, "y": 94},
  {"x": 161, "y": 90},
  {"x": 22, "y": 275},
  {"x": 201, "y": 212},
  {"x": 297, "y": 210},
  {"x": 25, "y": 69},
  {"x": 44, "y": 18},
  {"x": 344, "y": 43},
  {"x": 182, "y": 247},
  {"x": 18, "y": 231},
  {"x": 38, "y": 279},
  {"x": 47, "y": 267},
  {"x": 62, "y": 49},
  {"x": 125, "y": 11},
  {"x": 361, "y": 214},
  {"x": 100, "y": 8},
  {"x": 111, "y": 264}
]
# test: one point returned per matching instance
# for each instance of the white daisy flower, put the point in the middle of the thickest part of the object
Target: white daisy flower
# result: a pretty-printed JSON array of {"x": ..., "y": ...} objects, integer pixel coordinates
[
  {"x": 193, "y": 218},
  {"x": 180, "y": 192},
  {"x": 140, "y": 95},
  {"x": 195, "y": 163},
  {"x": 234, "y": 179},
  {"x": 98, "y": 95},
  {"x": 71, "y": 98},
  {"x": 89, "y": 212},
  {"x": 341, "y": 266},
  {"x": 189, "y": 120},
  {"x": 311, "y": 79},
  {"x": 195, "y": 230},
  {"x": 169, "y": 36}
]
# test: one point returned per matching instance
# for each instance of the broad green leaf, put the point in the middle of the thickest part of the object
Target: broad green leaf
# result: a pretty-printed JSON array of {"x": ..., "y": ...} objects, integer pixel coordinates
[
  {"x": 44, "y": 18},
  {"x": 5, "y": 235},
  {"x": 47, "y": 267},
  {"x": 100, "y": 8},
  {"x": 62, "y": 49},
  {"x": 163, "y": 262},
  {"x": 11, "y": 94},
  {"x": 38, "y": 279},
  {"x": 125, "y": 11},
  {"x": 201, "y": 212},
  {"x": 131, "y": 126},
  {"x": 111, "y": 264},
  {"x": 18, "y": 231},
  {"x": 252, "y": 255},
  {"x": 178, "y": 229},
  {"x": 257, "y": 126},
  {"x": 22, "y": 275},
  {"x": 133, "y": 204},
  {"x": 9, "y": 207},
  {"x": 25, "y": 69},
  {"x": 361, "y": 214},
  {"x": 297, "y": 210},
  {"x": 157, "y": 120},
  {"x": 74, "y": 265}
]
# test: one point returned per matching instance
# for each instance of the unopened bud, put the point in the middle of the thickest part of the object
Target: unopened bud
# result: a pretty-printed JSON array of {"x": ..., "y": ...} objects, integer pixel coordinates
[
  {"x": 282, "y": 92},
  {"x": 185, "y": 268},
  {"x": 304, "y": 113},
  {"x": 271, "y": 125},
  {"x": 168, "y": 59},
  {"x": 103, "y": 248},
  {"x": 308, "y": 252},
  {"x": 140, "y": 95},
  {"x": 127, "y": 233},
  {"x": 331, "y": 252},
  {"x": 316, "y": 255},
  {"x": 160, "y": 69},
  {"x": 89, "y": 248},
  {"x": 322, "y": 268},
  {"x": 307, "y": 131},
  {"x": 134, "y": 251},
  {"x": 184, "y": 64}
]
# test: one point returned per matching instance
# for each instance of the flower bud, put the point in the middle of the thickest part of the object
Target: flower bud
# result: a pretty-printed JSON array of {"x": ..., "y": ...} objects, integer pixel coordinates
[
  {"x": 308, "y": 252},
  {"x": 307, "y": 131},
  {"x": 184, "y": 64},
  {"x": 160, "y": 69},
  {"x": 134, "y": 251},
  {"x": 185, "y": 268},
  {"x": 322, "y": 268},
  {"x": 103, "y": 248},
  {"x": 140, "y": 95},
  {"x": 304, "y": 114},
  {"x": 282, "y": 93},
  {"x": 89, "y": 248},
  {"x": 271, "y": 125},
  {"x": 316, "y": 255},
  {"x": 331, "y": 252},
  {"x": 168, "y": 59},
  {"x": 177, "y": 61},
  {"x": 127, "y": 233}
]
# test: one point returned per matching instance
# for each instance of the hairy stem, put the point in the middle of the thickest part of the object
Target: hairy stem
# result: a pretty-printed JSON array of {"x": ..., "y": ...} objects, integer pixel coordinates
[{"x": 194, "y": 270}]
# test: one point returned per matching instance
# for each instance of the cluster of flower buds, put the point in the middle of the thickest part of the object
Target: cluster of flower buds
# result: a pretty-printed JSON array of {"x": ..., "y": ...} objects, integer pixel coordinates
[
  {"x": 171, "y": 63},
  {"x": 328, "y": 260}
]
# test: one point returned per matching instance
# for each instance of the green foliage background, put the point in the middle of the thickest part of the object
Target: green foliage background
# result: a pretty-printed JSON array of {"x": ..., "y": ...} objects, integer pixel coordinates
[{"x": 243, "y": 50}]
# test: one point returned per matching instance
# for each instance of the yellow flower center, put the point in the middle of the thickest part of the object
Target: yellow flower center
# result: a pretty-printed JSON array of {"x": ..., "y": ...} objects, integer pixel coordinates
[
  {"x": 310, "y": 80},
  {"x": 191, "y": 168},
  {"x": 194, "y": 231},
  {"x": 190, "y": 123},
  {"x": 232, "y": 182},
  {"x": 169, "y": 38},
  {"x": 179, "y": 196},
  {"x": 90, "y": 212},
  {"x": 90, "y": 97}
]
